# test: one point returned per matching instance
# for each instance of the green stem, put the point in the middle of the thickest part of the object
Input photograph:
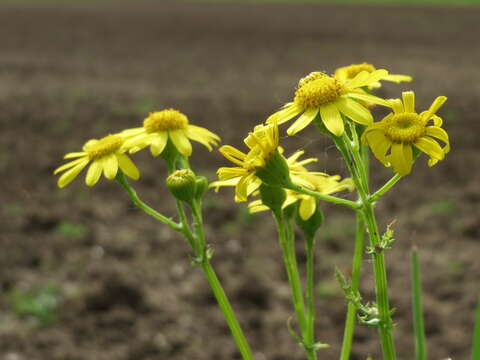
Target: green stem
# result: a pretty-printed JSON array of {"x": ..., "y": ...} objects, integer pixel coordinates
[
  {"x": 227, "y": 310},
  {"x": 355, "y": 284},
  {"x": 388, "y": 185},
  {"x": 419, "y": 329},
  {"x": 310, "y": 333},
  {"x": 142, "y": 206},
  {"x": 476, "y": 335},
  {"x": 288, "y": 252},
  {"x": 381, "y": 285},
  {"x": 332, "y": 199}
]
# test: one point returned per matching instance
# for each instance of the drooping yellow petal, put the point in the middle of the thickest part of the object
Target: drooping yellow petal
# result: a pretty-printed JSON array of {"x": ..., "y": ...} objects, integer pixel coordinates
[
  {"x": 110, "y": 166},
  {"x": 202, "y": 135},
  {"x": 401, "y": 158},
  {"x": 128, "y": 167},
  {"x": 307, "y": 207},
  {"x": 69, "y": 175},
  {"x": 332, "y": 119},
  {"x": 303, "y": 121},
  {"x": 354, "y": 111},
  {"x": 69, "y": 165},
  {"x": 439, "y": 133},
  {"x": 430, "y": 147},
  {"x": 158, "y": 143},
  {"x": 181, "y": 142},
  {"x": 94, "y": 172},
  {"x": 379, "y": 144},
  {"x": 242, "y": 186},
  {"x": 285, "y": 114},
  {"x": 409, "y": 101}
]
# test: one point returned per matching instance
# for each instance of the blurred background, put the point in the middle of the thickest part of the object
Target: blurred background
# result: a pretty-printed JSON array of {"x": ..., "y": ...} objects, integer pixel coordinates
[{"x": 84, "y": 275}]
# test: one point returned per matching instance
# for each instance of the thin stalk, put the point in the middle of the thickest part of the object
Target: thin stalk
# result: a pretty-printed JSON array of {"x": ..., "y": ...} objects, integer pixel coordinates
[
  {"x": 388, "y": 185},
  {"x": 144, "y": 207},
  {"x": 310, "y": 331},
  {"x": 227, "y": 310},
  {"x": 225, "y": 306},
  {"x": 292, "y": 273},
  {"x": 476, "y": 335},
  {"x": 381, "y": 285},
  {"x": 418, "y": 327},
  {"x": 355, "y": 284},
  {"x": 329, "y": 198}
]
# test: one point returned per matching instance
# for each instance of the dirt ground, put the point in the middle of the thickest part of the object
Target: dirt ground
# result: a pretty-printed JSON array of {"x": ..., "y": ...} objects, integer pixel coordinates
[{"x": 123, "y": 286}]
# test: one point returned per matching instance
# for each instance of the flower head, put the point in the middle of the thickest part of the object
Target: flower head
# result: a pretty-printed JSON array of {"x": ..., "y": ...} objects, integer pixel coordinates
[
  {"x": 167, "y": 124},
  {"x": 345, "y": 73},
  {"x": 105, "y": 155},
  {"x": 396, "y": 136},
  {"x": 329, "y": 97}
]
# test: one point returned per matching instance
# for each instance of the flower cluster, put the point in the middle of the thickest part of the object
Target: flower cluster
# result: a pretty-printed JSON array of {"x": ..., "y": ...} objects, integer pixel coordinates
[{"x": 108, "y": 154}]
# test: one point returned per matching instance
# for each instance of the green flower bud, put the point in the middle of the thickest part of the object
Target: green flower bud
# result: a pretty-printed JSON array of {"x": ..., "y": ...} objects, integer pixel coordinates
[
  {"x": 275, "y": 172},
  {"x": 201, "y": 184},
  {"x": 273, "y": 197},
  {"x": 310, "y": 226},
  {"x": 182, "y": 184}
]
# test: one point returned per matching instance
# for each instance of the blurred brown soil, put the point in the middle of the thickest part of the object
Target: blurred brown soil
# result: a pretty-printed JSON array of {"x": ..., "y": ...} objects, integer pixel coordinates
[{"x": 73, "y": 72}]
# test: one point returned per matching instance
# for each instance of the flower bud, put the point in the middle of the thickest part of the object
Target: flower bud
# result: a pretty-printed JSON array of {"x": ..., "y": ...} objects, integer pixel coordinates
[
  {"x": 182, "y": 184},
  {"x": 312, "y": 224},
  {"x": 201, "y": 184}
]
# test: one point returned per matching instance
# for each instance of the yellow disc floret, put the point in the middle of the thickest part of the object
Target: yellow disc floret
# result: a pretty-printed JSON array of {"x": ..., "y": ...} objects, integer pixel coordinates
[
  {"x": 105, "y": 146},
  {"x": 404, "y": 127},
  {"x": 321, "y": 90},
  {"x": 165, "y": 120}
]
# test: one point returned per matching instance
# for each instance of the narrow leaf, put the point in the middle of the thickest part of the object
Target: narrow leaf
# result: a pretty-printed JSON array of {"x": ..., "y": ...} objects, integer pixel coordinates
[{"x": 419, "y": 330}]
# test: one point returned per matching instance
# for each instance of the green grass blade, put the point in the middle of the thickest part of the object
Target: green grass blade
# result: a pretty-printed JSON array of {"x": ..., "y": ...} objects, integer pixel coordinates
[
  {"x": 476, "y": 335},
  {"x": 419, "y": 329}
]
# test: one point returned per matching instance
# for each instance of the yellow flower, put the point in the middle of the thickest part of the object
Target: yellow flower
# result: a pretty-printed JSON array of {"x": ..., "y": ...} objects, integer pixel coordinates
[
  {"x": 323, "y": 183},
  {"x": 263, "y": 144},
  {"x": 171, "y": 124},
  {"x": 320, "y": 94},
  {"x": 105, "y": 155},
  {"x": 394, "y": 138},
  {"x": 345, "y": 73}
]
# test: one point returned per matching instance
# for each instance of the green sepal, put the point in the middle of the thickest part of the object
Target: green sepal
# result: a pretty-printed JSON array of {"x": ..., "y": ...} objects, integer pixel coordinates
[
  {"x": 273, "y": 197},
  {"x": 275, "y": 172}
]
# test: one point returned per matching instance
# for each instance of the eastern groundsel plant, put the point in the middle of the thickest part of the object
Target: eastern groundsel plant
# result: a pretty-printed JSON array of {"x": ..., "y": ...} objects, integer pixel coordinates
[{"x": 338, "y": 106}]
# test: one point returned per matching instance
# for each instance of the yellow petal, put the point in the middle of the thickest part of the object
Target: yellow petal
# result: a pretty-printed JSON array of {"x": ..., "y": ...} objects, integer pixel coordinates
[
  {"x": 354, "y": 111},
  {"x": 409, "y": 101},
  {"x": 69, "y": 175},
  {"x": 203, "y": 136},
  {"x": 94, "y": 172},
  {"x": 397, "y": 78},
  {"x": 69, "y": 165},
  {"x": 437, "y": 104},
  {"x": 74, "y": 155},
  {"x": 430, "y": 147},
  {"x": 332, "y": 119},
  {"x": 110, "y": 166},
  {"x": 232, "y": 154},
  {"x": 158, "y": 143},
  {"x": 307, "y": 207},
  {"x": 439, "y": 133},
  {"x": 128, "y": 167},
  {"x": 285, "y": 114},
  {"x": 181, "y": 142},
  {"x": 368, "y": 98},
  {"x": 402, "y": 158},
  {"x": 242, "y": 186},
  {"x": 303, "y": 121},
  {"x": 379, "y": 144},
  {"x": 226, "y": 173},
  {"x": 396, "y": 105}
]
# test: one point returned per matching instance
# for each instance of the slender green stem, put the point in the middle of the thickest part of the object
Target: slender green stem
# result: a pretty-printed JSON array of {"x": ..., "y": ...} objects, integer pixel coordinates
[
  {"x": 142, "y": 206},
  {"x": 227, "y": 310},
  {"x": 310, "y": 333},
  {"x": 381, "y": 285},
  {"x": 476, "y": 335},
  {"x": 355, "y": 284},
  {"x": 419, "y": 330},
  {"x": 186, "y": 231},
  {"x": 332, "y": 199},
  {"x": 292, "y": 272},
  {"x": 388, "y": 185}
]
